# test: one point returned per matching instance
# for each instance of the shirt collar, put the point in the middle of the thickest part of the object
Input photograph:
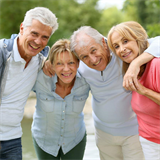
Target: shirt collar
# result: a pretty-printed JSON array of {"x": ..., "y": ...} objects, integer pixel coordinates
[{"x": 16, "y": 54}]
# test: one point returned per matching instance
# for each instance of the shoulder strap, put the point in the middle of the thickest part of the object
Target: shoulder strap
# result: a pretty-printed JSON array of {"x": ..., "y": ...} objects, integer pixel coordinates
[
  {"x": 9, "y": 42},
  {"x": 3, "y": 53}
]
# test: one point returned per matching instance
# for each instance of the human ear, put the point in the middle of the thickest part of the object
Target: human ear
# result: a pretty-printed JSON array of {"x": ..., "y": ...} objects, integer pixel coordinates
[
  {"x": 77, "y": 63},
  {"x": 104, "y": 43},
  {"x": 21, "y": 29}
]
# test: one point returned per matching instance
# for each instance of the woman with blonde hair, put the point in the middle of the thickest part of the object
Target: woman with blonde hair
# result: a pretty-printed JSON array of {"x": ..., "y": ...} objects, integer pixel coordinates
[
  {"x": 58, "y": 127},
  {"x": 128, "y": 40}
]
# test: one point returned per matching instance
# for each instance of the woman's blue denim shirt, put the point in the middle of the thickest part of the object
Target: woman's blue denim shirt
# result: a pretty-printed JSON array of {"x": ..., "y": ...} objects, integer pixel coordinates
[{"x": 59, "y": 122}]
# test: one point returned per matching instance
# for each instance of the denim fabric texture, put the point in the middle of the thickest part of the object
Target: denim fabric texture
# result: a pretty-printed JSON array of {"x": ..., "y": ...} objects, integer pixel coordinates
[
  {"x": 11, "y": 149},
  {"x": 59, "y": 122}
]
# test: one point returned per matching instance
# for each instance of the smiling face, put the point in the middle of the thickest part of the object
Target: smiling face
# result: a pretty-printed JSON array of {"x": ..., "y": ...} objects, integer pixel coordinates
[
  {"x": 126, "y": 49},
  {"x": 92, "y": 53},
  {"x": 65, "y": 66},
  {"x": 33, "y": 39}
]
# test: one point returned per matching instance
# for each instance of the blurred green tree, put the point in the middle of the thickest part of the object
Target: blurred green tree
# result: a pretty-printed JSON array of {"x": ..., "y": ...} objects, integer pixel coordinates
[
  {"x": 70, "y": 14},
  {"x": 111, "y": 17},
  {"x": 146, "y": 12}
]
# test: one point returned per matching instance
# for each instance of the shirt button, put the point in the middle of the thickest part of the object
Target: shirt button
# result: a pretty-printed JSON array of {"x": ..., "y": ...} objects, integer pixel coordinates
[{"x": 61, "y": 135}]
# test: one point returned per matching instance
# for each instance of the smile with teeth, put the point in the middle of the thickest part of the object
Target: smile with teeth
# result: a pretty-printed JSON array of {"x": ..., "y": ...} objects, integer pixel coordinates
[
  {"x": 97, "y": 63},
  {"x": 34, "y": 47},
  {"x": 66, "y": 75},
  {"x": 126, "y": 54}
]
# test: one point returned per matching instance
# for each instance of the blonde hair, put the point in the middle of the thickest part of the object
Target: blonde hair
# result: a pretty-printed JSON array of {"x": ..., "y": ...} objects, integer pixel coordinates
[
  {"x": 60, "y": 46},
  {"x": 131, "y": 30}
]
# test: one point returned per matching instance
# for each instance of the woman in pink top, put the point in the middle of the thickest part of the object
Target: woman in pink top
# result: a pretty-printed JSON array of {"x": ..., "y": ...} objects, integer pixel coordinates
[{"x": 128, "y": 40}]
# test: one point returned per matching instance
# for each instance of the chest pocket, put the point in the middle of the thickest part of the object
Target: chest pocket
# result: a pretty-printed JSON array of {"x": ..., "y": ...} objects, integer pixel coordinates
[
  {"x": 46, "y": 102},
  {"x": 79, "y": 102}
]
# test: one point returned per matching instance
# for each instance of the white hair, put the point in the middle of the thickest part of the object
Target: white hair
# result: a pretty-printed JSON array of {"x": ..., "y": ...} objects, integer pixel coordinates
[
  {"x": 42, "y": 14},
  {"x": 84, "y": 30}
]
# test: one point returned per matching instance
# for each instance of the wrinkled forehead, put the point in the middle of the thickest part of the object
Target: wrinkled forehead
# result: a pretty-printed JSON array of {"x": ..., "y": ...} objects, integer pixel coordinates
[
  {"x": 82, "y": 49},
  {"x": 83, "y": 43},
  {"x": 83, "y": 40}
]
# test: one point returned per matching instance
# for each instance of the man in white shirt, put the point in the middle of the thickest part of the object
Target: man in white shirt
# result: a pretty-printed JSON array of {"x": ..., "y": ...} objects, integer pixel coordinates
[{"x": 21, "y": 58}]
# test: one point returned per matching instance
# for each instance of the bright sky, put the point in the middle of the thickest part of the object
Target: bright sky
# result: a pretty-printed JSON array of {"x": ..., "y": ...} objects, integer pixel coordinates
[{"x": 108, "y": 3}]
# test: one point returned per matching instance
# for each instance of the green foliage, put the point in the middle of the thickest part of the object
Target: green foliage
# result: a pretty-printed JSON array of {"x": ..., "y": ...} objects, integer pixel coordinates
[
  {"x": 109, "y": 18},
  {"x": 130, "y": 9},
  {"x": 152, "y": 12},
  {"x": 153, "y": 29},
  {"x": 146, "y": 12},
  {"x": 70, "y": 14}
]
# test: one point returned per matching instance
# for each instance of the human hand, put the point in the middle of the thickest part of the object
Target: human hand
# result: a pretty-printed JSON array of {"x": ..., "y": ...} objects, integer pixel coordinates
[
  {"x": 130, "y": 81},
  {"x": 48, "y": 69},
  {"x": 141, "y": 89},
  {"x": 151, "y": 94}
]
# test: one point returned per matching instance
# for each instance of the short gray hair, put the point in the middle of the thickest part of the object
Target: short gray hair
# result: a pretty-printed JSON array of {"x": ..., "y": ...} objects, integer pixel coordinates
[
  {"x": 93, "y": 33},
  {"x": 42, "y": 14}
]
